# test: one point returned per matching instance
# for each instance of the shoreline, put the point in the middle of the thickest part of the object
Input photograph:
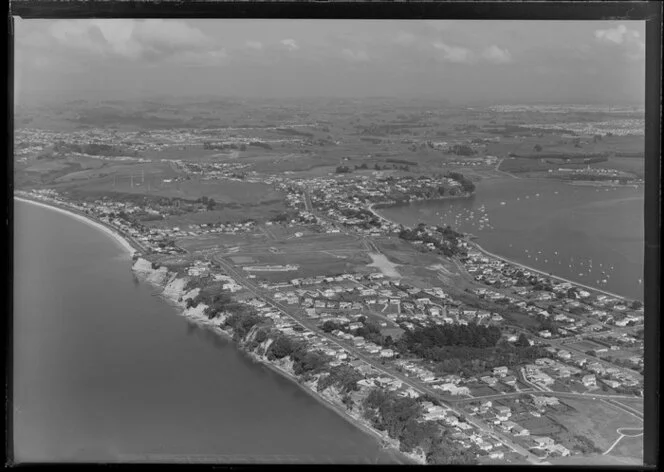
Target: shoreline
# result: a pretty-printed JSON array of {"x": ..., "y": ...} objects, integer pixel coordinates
[
  {"x": 523, "y": 266},
  {"x": 321, "y": 399},
  {"x": 127, "y": 246},
  {"x": 329, "y": 404},
  {"x": 541, "y": 272},
  {"x": 112, "y": 233}
]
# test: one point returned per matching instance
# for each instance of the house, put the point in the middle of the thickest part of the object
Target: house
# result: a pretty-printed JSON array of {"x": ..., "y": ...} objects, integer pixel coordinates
[
  {"x": 611, "y": 383},
  {"x": 463, "y": 426},
  {"x": 386, "y": 353},
  {"x": 509, "y": 380},
  {"x": 520, "y": 430},
  {"x": 451, "y": 420},
  {"x": 545, "y": 401},
  {"x": 564, "y": 372},
  {"x": 560, "y": 449},
  {"x": 434, "y": 413},
  {"x": 502, "y": 370},
  {"x": 589, "y": 381},
  {"x": 544, "y": 334},
  {"x": 509, "y": 425},
  {"x": 564, "y": 354},
  {"x": 504, "y": 410},
  {"x": 543, "y": 441},
  {"x": 489, "y": 380}
]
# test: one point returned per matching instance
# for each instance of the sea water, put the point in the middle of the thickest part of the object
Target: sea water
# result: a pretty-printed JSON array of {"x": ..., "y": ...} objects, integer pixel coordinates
[
  {"x": 591, "y": 235},
  {"x": 106, "y": 371}
]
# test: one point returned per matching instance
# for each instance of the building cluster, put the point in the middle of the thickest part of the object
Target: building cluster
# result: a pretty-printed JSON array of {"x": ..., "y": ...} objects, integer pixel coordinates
[{"x": 509, "y": 416}]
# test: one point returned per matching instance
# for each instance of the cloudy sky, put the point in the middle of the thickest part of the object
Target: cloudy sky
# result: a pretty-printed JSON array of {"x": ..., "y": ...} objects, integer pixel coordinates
[{"x": 507, "y": 61}]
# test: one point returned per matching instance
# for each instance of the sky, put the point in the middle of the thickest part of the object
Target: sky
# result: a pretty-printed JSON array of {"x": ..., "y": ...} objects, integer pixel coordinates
[{"x": 457, "y": 60}]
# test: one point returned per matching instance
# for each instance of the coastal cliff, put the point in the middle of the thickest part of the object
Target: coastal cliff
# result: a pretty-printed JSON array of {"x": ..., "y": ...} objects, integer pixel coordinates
[{"x": 177, "y": 290}]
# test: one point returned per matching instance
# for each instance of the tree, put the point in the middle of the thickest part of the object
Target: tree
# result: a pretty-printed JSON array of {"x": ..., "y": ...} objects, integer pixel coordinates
[
  {"x": 329, "y": 326},
  {"x": 281, "y": 347},
  {"x": 522, "y": 341},
  {"x": 538, "y": 147}
]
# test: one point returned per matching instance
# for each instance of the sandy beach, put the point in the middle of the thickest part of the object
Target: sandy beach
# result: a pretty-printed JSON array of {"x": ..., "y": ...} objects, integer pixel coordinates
[{"x": 122, "y": 242}]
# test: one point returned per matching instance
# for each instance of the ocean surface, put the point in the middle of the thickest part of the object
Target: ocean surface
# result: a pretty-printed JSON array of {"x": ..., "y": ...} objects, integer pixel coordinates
[
  {"x": 105, "y": 370},
  {"x": 591, "y": 235}
]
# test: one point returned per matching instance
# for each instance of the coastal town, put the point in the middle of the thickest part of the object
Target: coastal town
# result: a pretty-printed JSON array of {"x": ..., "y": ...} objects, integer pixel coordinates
[
  {"x": 272, "y": 232},
  {"x": 577, "y": 343}
]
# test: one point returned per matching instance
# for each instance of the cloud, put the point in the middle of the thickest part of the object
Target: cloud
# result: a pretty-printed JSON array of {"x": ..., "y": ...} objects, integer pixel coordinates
[
  {"x": 291, "y": 44},
  {"x": 355, "y": 56},
  {"x": 455, "y": 53},
  {"x": 613, "y": 35},
  {"x": 630, "y": 40},
  {"x": 254, "y": 45},
  {"x": 152, "y": 40},
  {"x": 497, "y": 55}
]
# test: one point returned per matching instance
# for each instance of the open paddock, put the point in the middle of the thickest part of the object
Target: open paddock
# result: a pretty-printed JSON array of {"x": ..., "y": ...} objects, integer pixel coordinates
[
  {"x": 636, "y": 403},
  {"x": 319, "y": 243},
  {"x": 306, "y": 261},
  {"x": 124, "y": 177},
  {"x": 585, "y": 345},
  {"x": 481, "y": 389},
  {"x": 596, "y": 420},
  {"x": 222, "y": 213},
  {"x": 595, "y": 460},
  {"x": 222, "y": 191},
  {"x": 306, "y": 270},
  {"x": 223, "y": 243}
]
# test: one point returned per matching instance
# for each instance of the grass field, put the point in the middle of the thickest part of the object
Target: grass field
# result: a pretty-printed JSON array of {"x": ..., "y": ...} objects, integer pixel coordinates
[
  {"x": 221, "y": 242},
  {"x": 596, "y": 420},
  {"x": 585, "y": 345},
  {"x": 632, "y": 165},
  {"x": 636, "y": 403}
]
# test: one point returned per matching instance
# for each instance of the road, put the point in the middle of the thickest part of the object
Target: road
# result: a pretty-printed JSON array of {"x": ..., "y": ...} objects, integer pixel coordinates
[
  {"x": 563, "y": 344},
  {"x": 415, "y": 385},
  {"x": 551, "y": 393}
]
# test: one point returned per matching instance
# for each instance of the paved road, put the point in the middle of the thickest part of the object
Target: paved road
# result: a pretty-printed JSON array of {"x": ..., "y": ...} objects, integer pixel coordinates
[{"x": 417, "y": 386}]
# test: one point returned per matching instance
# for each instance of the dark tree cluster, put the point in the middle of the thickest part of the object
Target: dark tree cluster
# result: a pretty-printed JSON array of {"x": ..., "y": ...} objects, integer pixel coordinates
[
  {"x": 466, "y": 184},
  {"x": 242, "y": 324},
  {"x": 344, "y": 377},
  {"x": 473, "y": 335},
  {"x": 400, "y": 418}
]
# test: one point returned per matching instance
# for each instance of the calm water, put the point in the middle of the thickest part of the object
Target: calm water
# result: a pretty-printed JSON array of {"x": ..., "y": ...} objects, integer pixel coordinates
[
  {"x": 593, "y": 236},
  {"x": 106, "y": 371}
]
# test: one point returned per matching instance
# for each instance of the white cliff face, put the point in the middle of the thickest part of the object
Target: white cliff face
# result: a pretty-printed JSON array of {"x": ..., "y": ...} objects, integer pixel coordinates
[
  {"x": 198, "y": 314},
  {"x": 143, "y": 268},
  {"x": 175, "y": 288}
]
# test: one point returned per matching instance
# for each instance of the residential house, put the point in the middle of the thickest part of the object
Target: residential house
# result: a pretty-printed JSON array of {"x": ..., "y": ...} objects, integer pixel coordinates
[
  {"x": 589, "y": 381},
  {"x": 502, "y": 370}
]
